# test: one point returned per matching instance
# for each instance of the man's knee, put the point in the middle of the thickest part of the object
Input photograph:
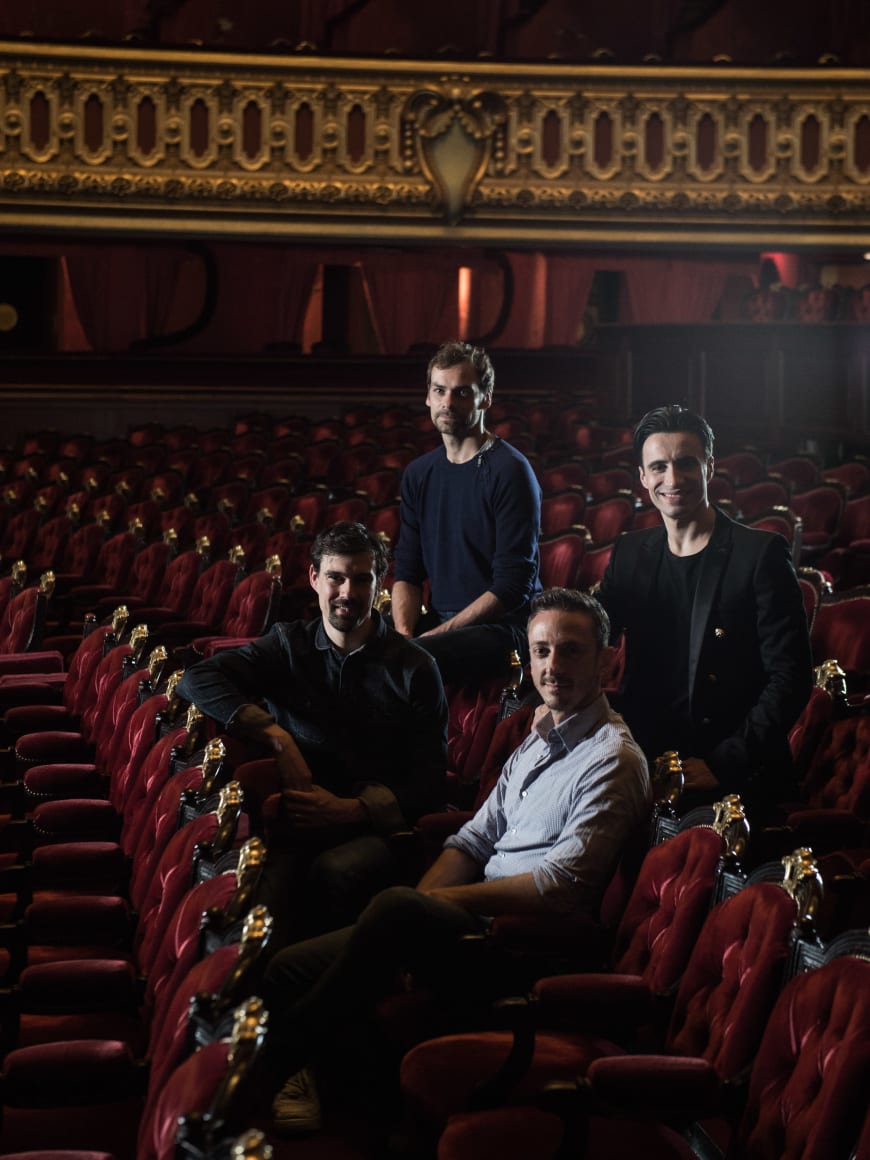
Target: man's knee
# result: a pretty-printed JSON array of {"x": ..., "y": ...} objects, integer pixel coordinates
[
  {"x": 396, "y": 904},
  {"x": 350, "y": 865},
  {"x": 295, "y": 969},
  {"x": 340, "y": 881},
  {"x": 404, "y": 917}
]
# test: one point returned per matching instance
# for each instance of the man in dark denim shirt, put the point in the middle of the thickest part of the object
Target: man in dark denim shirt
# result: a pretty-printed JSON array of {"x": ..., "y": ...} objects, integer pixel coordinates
[{"x": 356, "y": 718}]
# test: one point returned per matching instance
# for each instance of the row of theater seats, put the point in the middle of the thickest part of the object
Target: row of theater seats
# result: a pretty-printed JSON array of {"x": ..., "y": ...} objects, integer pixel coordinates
[
  {"x": 58, "y": 939},
  {"x": 191, "y": 594},
  {"x": 134, "y": 837},
  {"x": 247, "y": 486},
  {"x": 106, "y": 901}
]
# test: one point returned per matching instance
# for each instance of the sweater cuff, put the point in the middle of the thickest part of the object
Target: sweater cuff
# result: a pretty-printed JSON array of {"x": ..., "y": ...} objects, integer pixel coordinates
[
  {"x": 248, "y": 721},
  {"x": 383, "y": 809}
]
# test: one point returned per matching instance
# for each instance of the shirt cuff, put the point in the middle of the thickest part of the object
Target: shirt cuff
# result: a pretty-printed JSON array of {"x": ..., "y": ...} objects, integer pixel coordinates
[
  {"x": 249, "y": 720},
  {"x": 382, "y": 807}
]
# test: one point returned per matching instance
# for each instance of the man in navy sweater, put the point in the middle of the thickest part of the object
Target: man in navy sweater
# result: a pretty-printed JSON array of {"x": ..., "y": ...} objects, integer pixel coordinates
[{"x": 471, "y": 515}]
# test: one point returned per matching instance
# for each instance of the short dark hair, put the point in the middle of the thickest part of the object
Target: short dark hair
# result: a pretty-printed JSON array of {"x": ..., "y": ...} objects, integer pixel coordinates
[
  {"x": 347, "y": 538},
  {"x": 454, "y": 353},
  {"x": 573, "y": 600},
  {"x": 672, "y": 418}
]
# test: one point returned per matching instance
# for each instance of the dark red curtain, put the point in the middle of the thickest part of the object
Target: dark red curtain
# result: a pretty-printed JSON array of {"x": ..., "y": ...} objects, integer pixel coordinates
[
  {"x": 569, "y": 280},
  {"x": 675, "y": 289},
  {"x": 413, "y": 297}
]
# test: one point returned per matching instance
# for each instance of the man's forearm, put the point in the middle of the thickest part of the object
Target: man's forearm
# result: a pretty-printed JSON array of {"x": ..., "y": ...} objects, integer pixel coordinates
[
  {"x": 515, "y": 895},
  {"x": 486, "y": 609},
  {"x": 452, "y": 867},
  {"x": 406, "y": 600},
  {"x": 292, "y": 766}
]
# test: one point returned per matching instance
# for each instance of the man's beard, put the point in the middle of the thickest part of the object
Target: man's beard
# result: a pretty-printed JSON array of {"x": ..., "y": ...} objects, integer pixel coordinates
[{"x": 344, "y": 616}]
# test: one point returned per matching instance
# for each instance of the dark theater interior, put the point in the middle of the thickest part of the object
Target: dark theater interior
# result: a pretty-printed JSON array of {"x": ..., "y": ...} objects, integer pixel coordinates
[{"x": 234, "y": 238}]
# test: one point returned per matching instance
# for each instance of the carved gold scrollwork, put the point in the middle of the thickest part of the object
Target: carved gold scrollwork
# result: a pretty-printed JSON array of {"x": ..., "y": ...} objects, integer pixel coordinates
[
  {"x": 91, "y": 135},
  {"x": 454, "y": 127}
]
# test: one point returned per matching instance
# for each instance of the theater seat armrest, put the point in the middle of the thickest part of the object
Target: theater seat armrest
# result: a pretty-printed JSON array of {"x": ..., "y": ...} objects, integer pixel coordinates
[
  {"x": 665, "y": 1087},
  {"x": 53, "y": 1075},
  {"x": 209, "y": 645},
  {"x": 826, "y": 829},
  {"x": 593, "y": 1002},
  {"x": 33, "y": 662}
]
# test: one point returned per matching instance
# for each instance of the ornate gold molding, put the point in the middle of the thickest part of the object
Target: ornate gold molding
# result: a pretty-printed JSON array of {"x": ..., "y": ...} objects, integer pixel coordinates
[{"x": 300, "y": 147}]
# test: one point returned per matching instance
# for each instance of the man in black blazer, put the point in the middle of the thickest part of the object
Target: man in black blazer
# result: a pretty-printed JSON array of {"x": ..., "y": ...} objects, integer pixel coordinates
[{"x": 717, "y": 662}]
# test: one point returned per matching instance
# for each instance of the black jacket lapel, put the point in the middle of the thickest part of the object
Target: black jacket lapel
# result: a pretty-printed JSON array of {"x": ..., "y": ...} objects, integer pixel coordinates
[{"x": 712, "y": 566}]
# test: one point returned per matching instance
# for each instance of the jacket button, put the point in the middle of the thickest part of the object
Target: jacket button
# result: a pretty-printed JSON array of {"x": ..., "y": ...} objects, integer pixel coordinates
[
  {"x": 719, "y": 633},
  {"x": 712, "y": 677},
  {"x": 706, "y": 721}
]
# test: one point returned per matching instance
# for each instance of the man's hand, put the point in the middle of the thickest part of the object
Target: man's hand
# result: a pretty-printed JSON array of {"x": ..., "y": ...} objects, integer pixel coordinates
[
  {"x": 292, "y": 766},
  {"x": 698, "y": 774},
  {"x": 405, "y": 604},
  {"x": 445, "y": 626},
  {"x": 486, "y": 609},
  {"x": 317, "y": 808}
]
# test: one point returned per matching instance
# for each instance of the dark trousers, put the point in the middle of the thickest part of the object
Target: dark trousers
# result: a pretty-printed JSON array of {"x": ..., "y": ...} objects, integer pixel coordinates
[
  {"x": 468, "y": 655},
  {"x": 310, "y": 891},
  {"x": 314, "y": 989}
]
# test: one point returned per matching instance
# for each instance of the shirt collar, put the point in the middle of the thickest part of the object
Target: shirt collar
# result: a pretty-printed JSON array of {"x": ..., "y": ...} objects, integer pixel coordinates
[
  {"x": 322, "y": 641},
  {"x": 572, "y": 731}
]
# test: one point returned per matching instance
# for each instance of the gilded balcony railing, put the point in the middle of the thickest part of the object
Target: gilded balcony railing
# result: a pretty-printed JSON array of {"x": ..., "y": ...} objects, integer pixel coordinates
[{"x": 177, "y": 141}]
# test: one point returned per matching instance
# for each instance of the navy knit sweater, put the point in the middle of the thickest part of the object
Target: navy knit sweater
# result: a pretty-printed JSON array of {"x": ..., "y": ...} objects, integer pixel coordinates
[{"x": 471, "y": 528}]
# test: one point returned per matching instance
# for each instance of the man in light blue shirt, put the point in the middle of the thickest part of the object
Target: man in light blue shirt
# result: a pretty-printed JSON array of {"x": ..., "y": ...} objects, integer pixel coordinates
[{"x": 547, "y": 840}]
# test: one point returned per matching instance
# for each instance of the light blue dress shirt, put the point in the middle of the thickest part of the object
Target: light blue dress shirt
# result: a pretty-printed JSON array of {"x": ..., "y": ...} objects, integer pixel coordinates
[{"x": 564, "y": 806}]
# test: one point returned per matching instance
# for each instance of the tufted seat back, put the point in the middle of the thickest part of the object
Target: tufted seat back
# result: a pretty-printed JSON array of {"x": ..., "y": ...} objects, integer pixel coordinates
[
  {"x": 50, "y": 544},
  {"x": 253, "y": 606},
  {"x": 839, "y": 773},
  {"x": 23, "y": 621},
  {"x": 732, "y": 979},
  {"x": 667, "y": 907},
  {"x": 841, "y": 631},
  {"x": 179, "y": 581},
  {"x": 808, "y": 1092},
  {"x": 562, "y": 558},
  {"x": 212, "y": 593}
]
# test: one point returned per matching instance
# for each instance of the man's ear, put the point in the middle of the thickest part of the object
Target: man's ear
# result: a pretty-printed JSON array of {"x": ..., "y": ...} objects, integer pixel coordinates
[
  {"x": 606, "y": 662},
  {"x": 711, "y": 468},
  {"x": 312, "y": 576}
]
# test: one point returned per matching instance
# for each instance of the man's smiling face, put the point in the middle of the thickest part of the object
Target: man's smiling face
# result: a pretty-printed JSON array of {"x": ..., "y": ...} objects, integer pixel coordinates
[
  {"x": 567, "y": 662},
  {"x": 675, "y": 473}
]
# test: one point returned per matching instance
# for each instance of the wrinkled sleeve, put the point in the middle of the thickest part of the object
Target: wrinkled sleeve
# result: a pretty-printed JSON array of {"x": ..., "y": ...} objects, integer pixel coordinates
[
  {"x": 229, "y": 686},
  {"x": 608, "y": 596},
  {"x": 408, "y": 563},
  {"x": 478, "y": 836},
  {"x": 517, "y": 509},
  {"x": 422, "y": 786},
  {"x": 786, "y": 661},
  {"x": 609, "y": 805}
]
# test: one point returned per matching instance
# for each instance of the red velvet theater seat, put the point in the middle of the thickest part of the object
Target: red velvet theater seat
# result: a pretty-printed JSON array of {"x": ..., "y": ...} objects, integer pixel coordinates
[
  {"x": 728, "y": 986},
  {"x": 211, "y": 1092},
  {"x": 841, "y": 631},
  {"x": 95, "y": 1088},
  {"x": 821, "y": 510},
  {"x": 808, "y": 1093},
  {"x": 251, "y": 611},
  {"x": 562, "y": 557}
]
